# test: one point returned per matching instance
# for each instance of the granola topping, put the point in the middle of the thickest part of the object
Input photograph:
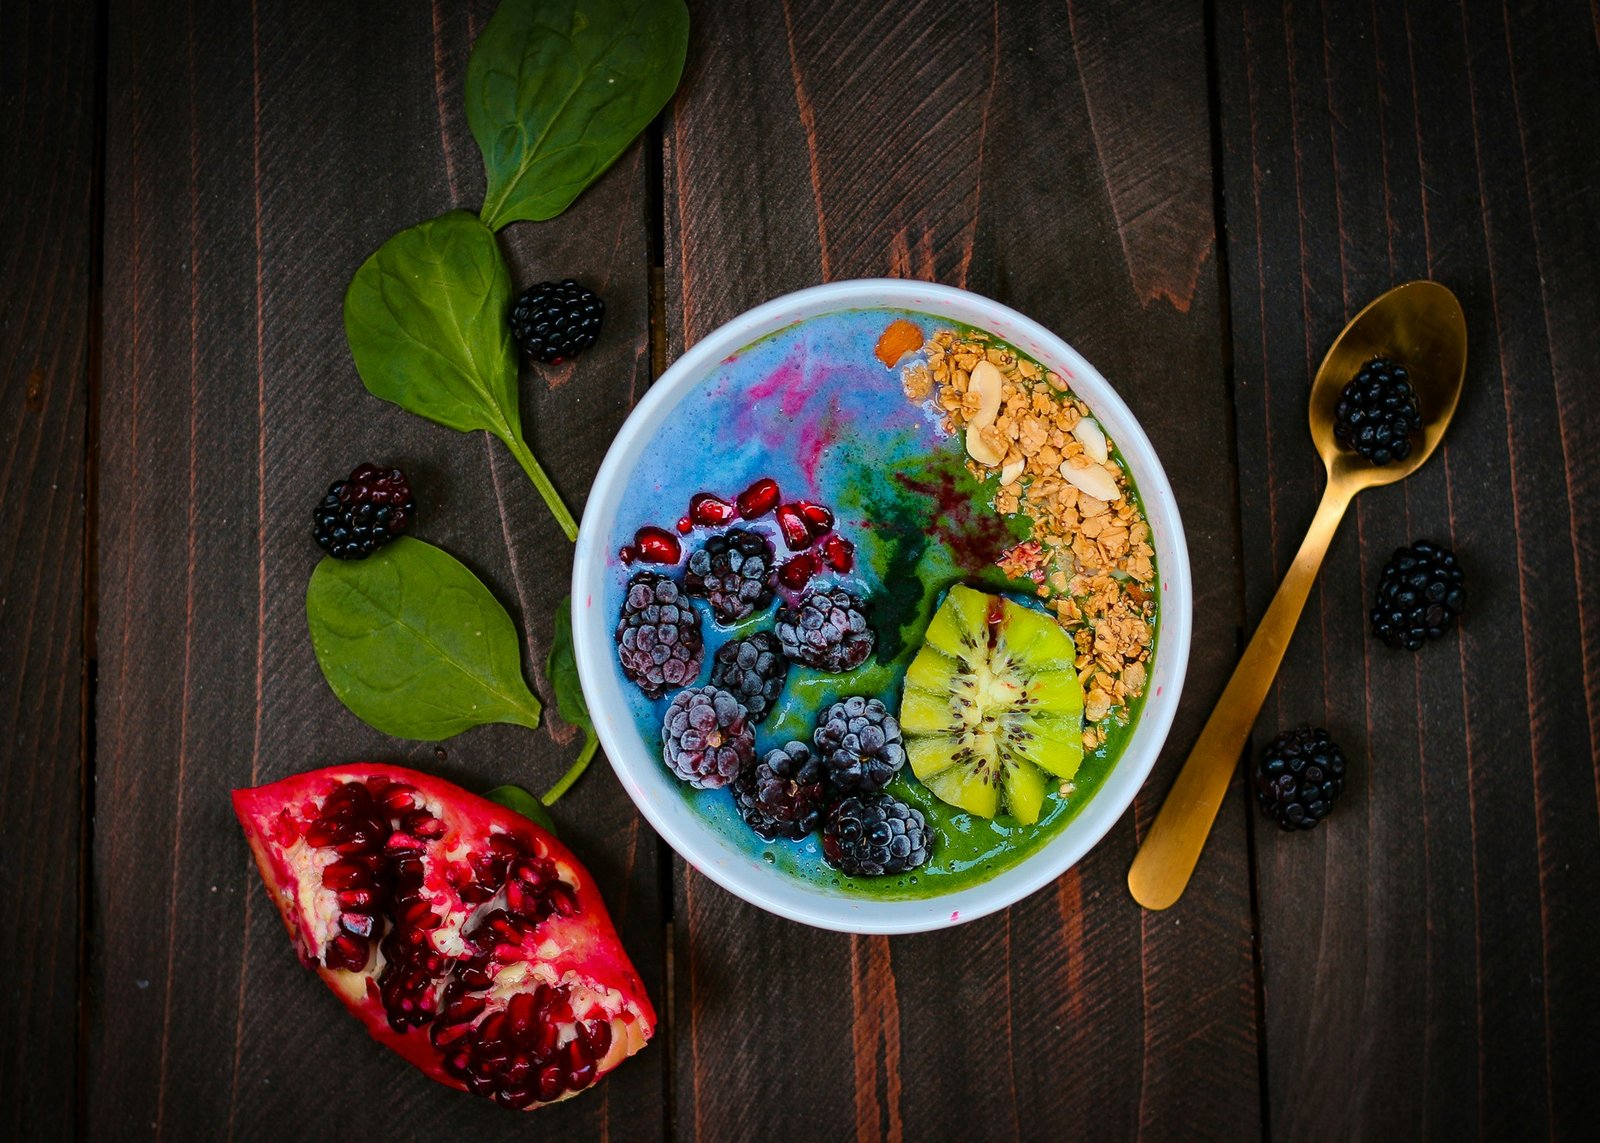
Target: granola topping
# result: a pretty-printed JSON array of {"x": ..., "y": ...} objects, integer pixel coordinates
[{"x": 1090, "y": 556}]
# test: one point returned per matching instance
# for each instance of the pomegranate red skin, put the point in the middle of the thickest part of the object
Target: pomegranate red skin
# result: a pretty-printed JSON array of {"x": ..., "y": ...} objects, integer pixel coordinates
[{"x": 586, "y": 942}]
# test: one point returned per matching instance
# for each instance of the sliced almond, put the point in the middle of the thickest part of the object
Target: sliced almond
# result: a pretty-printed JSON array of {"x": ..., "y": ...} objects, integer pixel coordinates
[
  {"x": 980, "y": 448},
  {"x": 1092, "y": 480},
  {"x": 986, "y": 381},
  {"x": 1011, "y": 471},
  {"x": 1092, "y": 438}
]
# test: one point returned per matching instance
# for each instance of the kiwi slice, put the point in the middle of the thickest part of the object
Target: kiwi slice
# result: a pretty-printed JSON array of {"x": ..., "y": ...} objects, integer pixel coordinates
[{"x": 992, "y": 704}]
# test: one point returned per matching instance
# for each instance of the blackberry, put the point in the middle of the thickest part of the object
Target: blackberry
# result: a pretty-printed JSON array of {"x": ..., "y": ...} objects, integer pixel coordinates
[
  {"x": 827, "y": 630},
  {"x": 363, "y": 512},
  {"x": 1377, "y": 412},
  {"x": 753, "y": 670},
  {"x": 874, "y": 834},
  {"x": 553, "y": 321},
  {"x": 1419, "y": 597},
  {"x": 734, "y": 571},
  {"x": 1300, "y": 774},
  {"x": 706, "y": 737},
  {"x": 658, "y": 636},
  {"x": 784, "y": 794},
  {"x": 859, "y": 741}
]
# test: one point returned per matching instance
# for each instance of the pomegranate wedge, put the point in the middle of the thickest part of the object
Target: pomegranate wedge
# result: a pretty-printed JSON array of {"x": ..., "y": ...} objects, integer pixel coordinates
[{"x": 465, "y": 937}]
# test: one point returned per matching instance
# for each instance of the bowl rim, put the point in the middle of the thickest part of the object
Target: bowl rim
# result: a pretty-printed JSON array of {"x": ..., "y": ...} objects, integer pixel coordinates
[{"x": 699, "y": 844}]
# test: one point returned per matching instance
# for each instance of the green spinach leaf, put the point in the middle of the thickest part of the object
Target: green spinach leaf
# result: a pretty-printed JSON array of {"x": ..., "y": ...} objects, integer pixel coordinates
[
  {"x": 426, "y": 320},
  {"x": 415, "y": 645},
  {"x": 562, "y": 668},
  {"x": 519, "y": 801},
  {"x": 557, "y": 89}
]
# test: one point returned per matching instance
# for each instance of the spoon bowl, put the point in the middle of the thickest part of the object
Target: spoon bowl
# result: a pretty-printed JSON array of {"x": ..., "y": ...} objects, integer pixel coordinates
[{"x": 1420, "y": 325}]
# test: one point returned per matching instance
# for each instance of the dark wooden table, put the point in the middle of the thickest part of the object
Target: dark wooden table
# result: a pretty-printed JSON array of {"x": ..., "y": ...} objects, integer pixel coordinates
[{"x": 1197, "y": 197}]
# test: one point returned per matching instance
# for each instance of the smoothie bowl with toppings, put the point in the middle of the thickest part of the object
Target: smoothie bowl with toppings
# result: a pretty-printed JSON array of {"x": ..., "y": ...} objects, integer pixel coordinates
[{"x": 881, "y": 606}]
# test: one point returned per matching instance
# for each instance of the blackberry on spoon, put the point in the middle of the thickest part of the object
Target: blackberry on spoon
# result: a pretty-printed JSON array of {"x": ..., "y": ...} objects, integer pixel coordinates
[{"x": 1377, "y": 412}]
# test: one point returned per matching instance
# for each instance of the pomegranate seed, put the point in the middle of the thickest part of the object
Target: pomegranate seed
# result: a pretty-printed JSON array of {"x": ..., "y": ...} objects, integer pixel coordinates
[
  {"x": 707, "y": 509},
  {"x": 356, "y": 924},
  {"x": 657, "y": 545},
  {"x": 398, "y": 799},
  {"x": 418, "y": 915},
  {"x": 759, "y": 499},
  {"x": 796, "y": 573},
  {"x": 363, "y": 837},
  {"x": 420, "y": 823},
  {"x": 818, "y": 516},
  {"x": 626, "y": 554},
  {"x": 284, "y": 830},
  {"x": 346, "y": 874},
  {"x": 839, "y": 552},
  {"x": 357, "y": 899},
  {"x": 520, "y": 1012},
  {"x": 346, "y": 952},
  {"x": 549, "y": 1083},
  {"x": 403, "y": 843},
  {"x": 324, "y": 832},
  {"x": 796, "y": 532},
  {"x": 684, "y": 526}
]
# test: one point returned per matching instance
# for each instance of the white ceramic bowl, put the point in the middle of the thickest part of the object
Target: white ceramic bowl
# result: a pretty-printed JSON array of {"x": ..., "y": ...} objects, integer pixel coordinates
[{"x": 652, "y": 787}]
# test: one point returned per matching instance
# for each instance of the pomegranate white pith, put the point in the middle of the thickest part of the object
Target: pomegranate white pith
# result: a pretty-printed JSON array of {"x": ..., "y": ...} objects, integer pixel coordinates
[{"x": 465, "y": 937}]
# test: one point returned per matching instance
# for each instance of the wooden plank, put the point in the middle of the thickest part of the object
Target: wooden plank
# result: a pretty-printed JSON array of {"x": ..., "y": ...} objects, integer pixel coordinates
[
  {"x": 1058, "y": 161},
  {"x": 260, "y": 153},
  {"x": 1428, "y": 952},
  {"x": 49, "y": 119}
]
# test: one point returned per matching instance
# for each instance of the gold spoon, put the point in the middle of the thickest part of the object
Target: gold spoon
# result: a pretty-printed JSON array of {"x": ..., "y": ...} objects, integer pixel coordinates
[{"x": 1419, "y": 325}]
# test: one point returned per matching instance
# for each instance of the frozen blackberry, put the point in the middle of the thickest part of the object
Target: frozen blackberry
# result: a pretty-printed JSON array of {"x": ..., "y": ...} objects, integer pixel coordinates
[
  {"x": 658, "y": 636},
  {"x": 827, "y": 630},
  {"x": 753, "y": 670},
  {"x": 706, "y": 737},
  {"x": 859, "y": 742},
  {"x": 784, "y": 794},
  {"x": 1419, "y": 597},
  {"x": 1300, "y": 774},
  {"x": 874, "y": 834},
  {"x": 556, "y": 320},
  {"x": 362, "y": 513},
  {"x": 1377, "y": 412},
  {"x": 734, "y": 572}
]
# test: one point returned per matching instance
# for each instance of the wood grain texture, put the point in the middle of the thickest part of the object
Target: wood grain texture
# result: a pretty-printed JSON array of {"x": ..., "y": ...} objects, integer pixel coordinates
[
  {"x": 47, "y": 264},
  {"x": 1428, "y": 953},
  {"x": 257, "y": 154},
  {"x": 993, "y": 149}
]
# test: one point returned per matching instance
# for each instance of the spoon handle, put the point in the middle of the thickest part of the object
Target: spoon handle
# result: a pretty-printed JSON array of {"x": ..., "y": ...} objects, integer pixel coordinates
[{"x": 1161, "y": 870}]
